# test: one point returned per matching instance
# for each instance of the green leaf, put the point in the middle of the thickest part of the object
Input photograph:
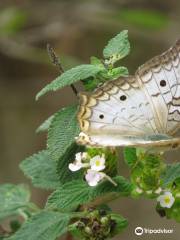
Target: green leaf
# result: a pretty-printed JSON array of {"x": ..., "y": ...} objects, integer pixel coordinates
[
  {"x": 12, "y": 198},
  {"x": 173, "y": 212},
  {"x": 97, "y": 62},
  {"x": 41, "y": 169},
  {"x": 171, "y": 174},
  {"x": 130, "y": 156},
  {"x": 46, "y": 225},
  {"x": 78, "y": 192},
  {"x": 45, "y": 125},
  {"x": 70, "y": 77},
  {"x": 63, "y": 171},
  {"x": 119, "y": 45},
  {"x": 63, "y": 130},
  {"x": 121, "y": 224},
  {"x": 118, "y": 72}
]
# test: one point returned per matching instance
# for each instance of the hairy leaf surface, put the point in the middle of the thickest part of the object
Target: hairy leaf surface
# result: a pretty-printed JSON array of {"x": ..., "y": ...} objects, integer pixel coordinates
[{"x": 41, "y": 169}]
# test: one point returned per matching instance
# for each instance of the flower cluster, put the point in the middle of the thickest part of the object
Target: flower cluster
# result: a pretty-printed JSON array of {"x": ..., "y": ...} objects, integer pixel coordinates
[{"x": 94, "y": 167}]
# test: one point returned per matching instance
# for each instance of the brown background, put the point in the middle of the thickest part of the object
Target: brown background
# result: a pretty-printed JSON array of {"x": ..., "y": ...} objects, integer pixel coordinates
[{"x": 77, "y": 30}]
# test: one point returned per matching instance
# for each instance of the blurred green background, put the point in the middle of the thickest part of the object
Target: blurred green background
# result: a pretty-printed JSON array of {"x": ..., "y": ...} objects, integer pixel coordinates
[{"x": 77, "y": 30}]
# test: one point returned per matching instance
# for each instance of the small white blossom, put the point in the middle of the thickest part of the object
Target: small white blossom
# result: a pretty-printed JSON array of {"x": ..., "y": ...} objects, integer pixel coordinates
[
  {"x": 166, "y": 200},
  {"x": 158, "y": 191},
  {"x": 139, "y": 190},
  {"x": 97, "y": 163},
  {"x": 81, "y": 156},
  {"x": 93, "y": 177},
  {"x": 149, "y": 191},
  {"x": 75, "y": 166},
  {"x": 78, "y": 164}
]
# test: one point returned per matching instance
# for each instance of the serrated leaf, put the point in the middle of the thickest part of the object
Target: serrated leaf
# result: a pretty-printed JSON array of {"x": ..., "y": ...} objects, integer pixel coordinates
[
  {"x": 78, "y": 192},
  {"x": 121, "y": 224},
  {"x": 13, "y": 198},
  {"x": 118, "y": 72},
  {"x": 41, "y": 169},
  {"x": 130, "y": 156},
  {"x": 63, "y": 130},
  {"x": 64, "y": 174},
  {"x": 46, "y": 225},
  {"x": 45, "y": 125},
  {"x": 171, "y": 174},
  {"x": 97, "y": 62},
  {"x": 70, "y": 77},
  {"x": 119, "y": 45}
]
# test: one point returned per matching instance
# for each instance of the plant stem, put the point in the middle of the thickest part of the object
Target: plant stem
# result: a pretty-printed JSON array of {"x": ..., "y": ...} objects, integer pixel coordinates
[{"x": 56, "y": 61}]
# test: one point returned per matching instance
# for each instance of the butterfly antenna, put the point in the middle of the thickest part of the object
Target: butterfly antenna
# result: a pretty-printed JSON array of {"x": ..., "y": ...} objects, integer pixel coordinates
[{"x": 56, "y": 61}]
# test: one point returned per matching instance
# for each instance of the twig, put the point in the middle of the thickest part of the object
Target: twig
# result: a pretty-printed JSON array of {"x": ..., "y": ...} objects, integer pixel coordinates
[{"x": 56, "y": 61}]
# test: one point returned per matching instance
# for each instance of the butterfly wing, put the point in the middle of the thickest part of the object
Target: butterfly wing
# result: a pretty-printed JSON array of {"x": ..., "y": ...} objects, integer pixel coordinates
[
  {"x": 159, "y": 79},
  {"x": 118, "y": 108},
  {"x": 129, "y": 110}
]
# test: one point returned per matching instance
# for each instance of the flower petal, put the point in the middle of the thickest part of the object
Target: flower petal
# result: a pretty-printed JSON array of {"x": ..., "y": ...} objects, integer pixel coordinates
[{"x": 74, "y": 167}]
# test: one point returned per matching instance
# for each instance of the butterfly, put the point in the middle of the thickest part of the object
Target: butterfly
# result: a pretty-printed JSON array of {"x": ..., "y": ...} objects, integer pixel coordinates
[{"x": 141, "y": 110}]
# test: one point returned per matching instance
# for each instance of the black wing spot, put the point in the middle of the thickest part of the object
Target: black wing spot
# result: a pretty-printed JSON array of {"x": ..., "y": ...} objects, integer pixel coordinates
[
  {"x": 101, "y": 116},
  {"x": 162, "y": 83},
  {"x": 123, "y": 98}
]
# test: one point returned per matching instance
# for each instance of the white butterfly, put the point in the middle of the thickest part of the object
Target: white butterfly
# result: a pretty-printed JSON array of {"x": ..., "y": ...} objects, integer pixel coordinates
[{"x": 141, "y": 110}]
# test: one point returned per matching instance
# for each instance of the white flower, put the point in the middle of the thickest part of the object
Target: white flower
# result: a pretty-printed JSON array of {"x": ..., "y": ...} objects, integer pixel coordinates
[
  {"x": 149, "y": 191},
  {"x": 166, "y": 200},
  {"x": 81, "y": 156},
  {"x": 77, "y": 165},
  {"x": 158, "y": 191},
  {"x": 97, "y": 163},
  {"x": 93, "y": 177},
  {"x": 139, "y": 190}
]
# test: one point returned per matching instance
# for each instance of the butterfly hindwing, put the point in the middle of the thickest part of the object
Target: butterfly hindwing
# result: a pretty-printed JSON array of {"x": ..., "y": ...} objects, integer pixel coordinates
[{"x": 160, "y": 80}]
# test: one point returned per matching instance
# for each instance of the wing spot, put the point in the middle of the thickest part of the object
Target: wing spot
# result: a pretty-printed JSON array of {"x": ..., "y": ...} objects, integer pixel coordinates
[
  {"x": 101, "y": 116},
  {"x": 162, "y": 83},
  {"x": 123, "y": 98}
]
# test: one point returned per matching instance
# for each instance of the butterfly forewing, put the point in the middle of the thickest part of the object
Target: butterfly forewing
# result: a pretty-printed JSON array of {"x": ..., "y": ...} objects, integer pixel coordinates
[
  {"x": 129, "y": 110},
  {"x": 120, "y": 108}
]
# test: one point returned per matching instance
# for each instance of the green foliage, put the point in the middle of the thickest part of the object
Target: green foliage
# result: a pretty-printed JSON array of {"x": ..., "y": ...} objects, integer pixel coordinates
[
  {"x": 120, "y": 224},
  {"x": 64, "y": 174},
  {"x": 171, "y": 173},
  {"x": 130, "y": 156},
  {"x": 118, "y": 46},
  {"x": 146, "y": 170},
  {"x": 97, "y": 62},
  {"x": 69, "y": 77},
  {"x": 151, "y": 20},
  {"x": 45, "y": 125},
  {"x": 12, "y": 199},
  {"x": 41, "y": 169},
  {"x": 77, "y": 192},
  {"x": 173, "y": 212},
  {"x": 45, "y": 225},
  {"x": 117, "y": 72},
  {"x": 62, "y": 132}
]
